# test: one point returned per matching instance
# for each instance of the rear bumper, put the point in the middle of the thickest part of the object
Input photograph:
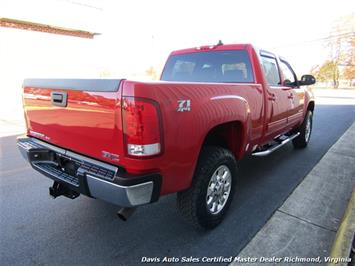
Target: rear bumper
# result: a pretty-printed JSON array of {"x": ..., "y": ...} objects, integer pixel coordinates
[{"x": 89, "y": 176}]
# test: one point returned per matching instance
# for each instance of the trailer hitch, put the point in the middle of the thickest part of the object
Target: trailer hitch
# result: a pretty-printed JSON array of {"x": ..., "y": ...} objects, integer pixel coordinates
[{"x": 59, "y": 189}]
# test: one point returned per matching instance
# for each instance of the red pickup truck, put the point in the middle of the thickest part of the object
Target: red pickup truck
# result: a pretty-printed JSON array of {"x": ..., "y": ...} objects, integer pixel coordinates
[{"x": 129, "y": 142}]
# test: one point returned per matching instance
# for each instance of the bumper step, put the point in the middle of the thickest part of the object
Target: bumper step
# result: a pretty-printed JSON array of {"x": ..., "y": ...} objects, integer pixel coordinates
[{"x": 75, "y": 174}]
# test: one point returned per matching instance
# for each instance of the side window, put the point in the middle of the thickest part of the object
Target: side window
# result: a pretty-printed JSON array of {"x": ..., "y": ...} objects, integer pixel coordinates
[
  {"x": 289, "y": 76},
  {"x": 271, "y": 70}
]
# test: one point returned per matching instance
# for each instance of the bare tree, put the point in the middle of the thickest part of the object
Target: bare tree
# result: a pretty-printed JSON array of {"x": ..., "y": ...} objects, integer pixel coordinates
[{"x": 341, "y": 46}]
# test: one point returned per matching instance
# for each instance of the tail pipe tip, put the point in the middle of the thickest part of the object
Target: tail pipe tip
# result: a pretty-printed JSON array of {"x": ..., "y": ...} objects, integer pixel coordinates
[{"x": 125, "y": 213}]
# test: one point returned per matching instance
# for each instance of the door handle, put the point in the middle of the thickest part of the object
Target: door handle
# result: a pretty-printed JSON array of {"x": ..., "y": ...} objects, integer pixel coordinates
[
  {"x": 59, "y": 98},
  {"x": 272, "y": 97}
]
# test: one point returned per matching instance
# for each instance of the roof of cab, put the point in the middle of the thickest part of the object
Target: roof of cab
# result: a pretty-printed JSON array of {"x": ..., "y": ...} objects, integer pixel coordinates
[{"x": 217, "y": 47}]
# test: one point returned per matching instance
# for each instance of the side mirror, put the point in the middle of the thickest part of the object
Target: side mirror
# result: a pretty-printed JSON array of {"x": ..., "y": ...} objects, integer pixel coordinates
[
  {"x": 307, "y": 80},
  {"x": 288, "y": 83}
]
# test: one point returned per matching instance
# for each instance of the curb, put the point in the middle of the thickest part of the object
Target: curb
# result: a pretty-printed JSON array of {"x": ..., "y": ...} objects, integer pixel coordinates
[{"x": 344, "y": 238}]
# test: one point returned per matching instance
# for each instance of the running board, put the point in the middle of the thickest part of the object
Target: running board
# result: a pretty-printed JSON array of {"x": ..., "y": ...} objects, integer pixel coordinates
[{"x": 274, "y": 148}]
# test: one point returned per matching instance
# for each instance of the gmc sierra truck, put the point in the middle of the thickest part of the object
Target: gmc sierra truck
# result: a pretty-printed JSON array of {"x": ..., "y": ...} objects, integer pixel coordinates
[{"x": 129, "y": 142}]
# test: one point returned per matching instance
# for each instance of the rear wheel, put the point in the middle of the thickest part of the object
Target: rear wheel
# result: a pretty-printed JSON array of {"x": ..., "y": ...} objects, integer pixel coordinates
[
  {"x": 206, "y": 202},
  {"x": 305, "y": 132}
]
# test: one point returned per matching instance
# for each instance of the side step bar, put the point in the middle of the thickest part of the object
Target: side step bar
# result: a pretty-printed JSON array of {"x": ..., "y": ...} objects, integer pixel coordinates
[{"x": 274, "y": 148}]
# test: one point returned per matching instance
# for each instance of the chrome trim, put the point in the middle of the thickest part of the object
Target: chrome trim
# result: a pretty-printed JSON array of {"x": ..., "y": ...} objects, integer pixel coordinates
[
  {"x": 267, "y": 54},
  {"x": 47, "y": 145},
  {"x": 125, "y": 196},
  {"x": 74, "y": 155},
  {"x": 274, "y": 148},
  {"x": 36, "y": 134},
  {"x": 219, "y": 189},
  {"x": 222, "y": 97},
  {"x": 96, "y": 85},
  {"x": 23, "y": 147},
  {"x": 308, "y": 130},
  {"x": 64, "y": 98}
]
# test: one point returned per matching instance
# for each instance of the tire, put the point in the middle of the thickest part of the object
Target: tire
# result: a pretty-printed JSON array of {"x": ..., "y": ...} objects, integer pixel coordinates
[
  {"x": 214, "y": 164},
  {"x": 305, "y": 132}
]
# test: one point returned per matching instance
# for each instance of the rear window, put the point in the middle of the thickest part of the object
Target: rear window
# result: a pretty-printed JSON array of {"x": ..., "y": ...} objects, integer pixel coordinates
[{"x": 213, "y": 66}]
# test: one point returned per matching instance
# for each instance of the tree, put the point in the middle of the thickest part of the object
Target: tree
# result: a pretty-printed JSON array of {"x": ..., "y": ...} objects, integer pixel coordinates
[
  {"x": 152, "y": 72},
  {"x": 328, "y": 71},
  {"x": 341, "y": 43},
  {"x": 349, "y": 69},
  {"x": 104, "y": 73}
]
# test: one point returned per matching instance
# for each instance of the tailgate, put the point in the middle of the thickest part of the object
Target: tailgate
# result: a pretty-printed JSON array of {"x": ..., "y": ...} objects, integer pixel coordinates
[{"x": 82, "y": 115}]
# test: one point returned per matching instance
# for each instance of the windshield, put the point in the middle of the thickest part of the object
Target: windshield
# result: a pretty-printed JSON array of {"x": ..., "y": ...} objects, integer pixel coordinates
[{"x": 213, "y": 66}]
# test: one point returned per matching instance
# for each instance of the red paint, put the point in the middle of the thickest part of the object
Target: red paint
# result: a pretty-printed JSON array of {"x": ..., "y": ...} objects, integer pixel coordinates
[{"x": 92, "y": 121}]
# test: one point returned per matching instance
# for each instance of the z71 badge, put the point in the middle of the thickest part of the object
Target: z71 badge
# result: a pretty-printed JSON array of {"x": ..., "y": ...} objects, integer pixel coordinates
[{"x": 184, "y": 106}]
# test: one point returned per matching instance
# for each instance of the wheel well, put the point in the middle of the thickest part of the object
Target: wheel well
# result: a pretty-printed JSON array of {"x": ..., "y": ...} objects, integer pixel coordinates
[
  {"x": 225, "y": 135},
  {"x": 311, "y": 106}
]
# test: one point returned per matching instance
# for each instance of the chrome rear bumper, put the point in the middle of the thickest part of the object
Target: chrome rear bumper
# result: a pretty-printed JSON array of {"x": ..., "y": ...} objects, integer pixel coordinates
[{"x": 89, "y": 176}]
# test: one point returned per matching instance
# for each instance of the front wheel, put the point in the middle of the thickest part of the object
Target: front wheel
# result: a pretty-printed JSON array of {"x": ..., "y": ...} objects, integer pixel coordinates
[
  {"x": 206, "y": 202},
  {"x": 305, "y": 132}
]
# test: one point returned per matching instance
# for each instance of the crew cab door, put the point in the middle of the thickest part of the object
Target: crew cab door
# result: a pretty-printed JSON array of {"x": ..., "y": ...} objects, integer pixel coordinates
[
  {"x": 277, "y": 99},
  {"x": 296, "y": 94}
]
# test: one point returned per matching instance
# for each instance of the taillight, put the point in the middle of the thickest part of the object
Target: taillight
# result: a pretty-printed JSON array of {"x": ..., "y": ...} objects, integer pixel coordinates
[{"x": 141, "y": 127}]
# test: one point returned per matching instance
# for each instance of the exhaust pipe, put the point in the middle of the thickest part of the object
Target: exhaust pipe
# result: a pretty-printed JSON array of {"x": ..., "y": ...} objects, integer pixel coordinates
[{"x": 125, "y": 213}]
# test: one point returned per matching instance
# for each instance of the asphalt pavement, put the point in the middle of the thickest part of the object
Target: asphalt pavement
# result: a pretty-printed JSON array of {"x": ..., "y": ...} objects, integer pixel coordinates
[{"x": 35, "y": 229}]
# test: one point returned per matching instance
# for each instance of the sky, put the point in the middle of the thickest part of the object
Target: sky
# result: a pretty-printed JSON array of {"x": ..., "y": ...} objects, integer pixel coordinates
[
  {"x": 137, "y": 34},
  {"x": 286, "y": 27}
]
